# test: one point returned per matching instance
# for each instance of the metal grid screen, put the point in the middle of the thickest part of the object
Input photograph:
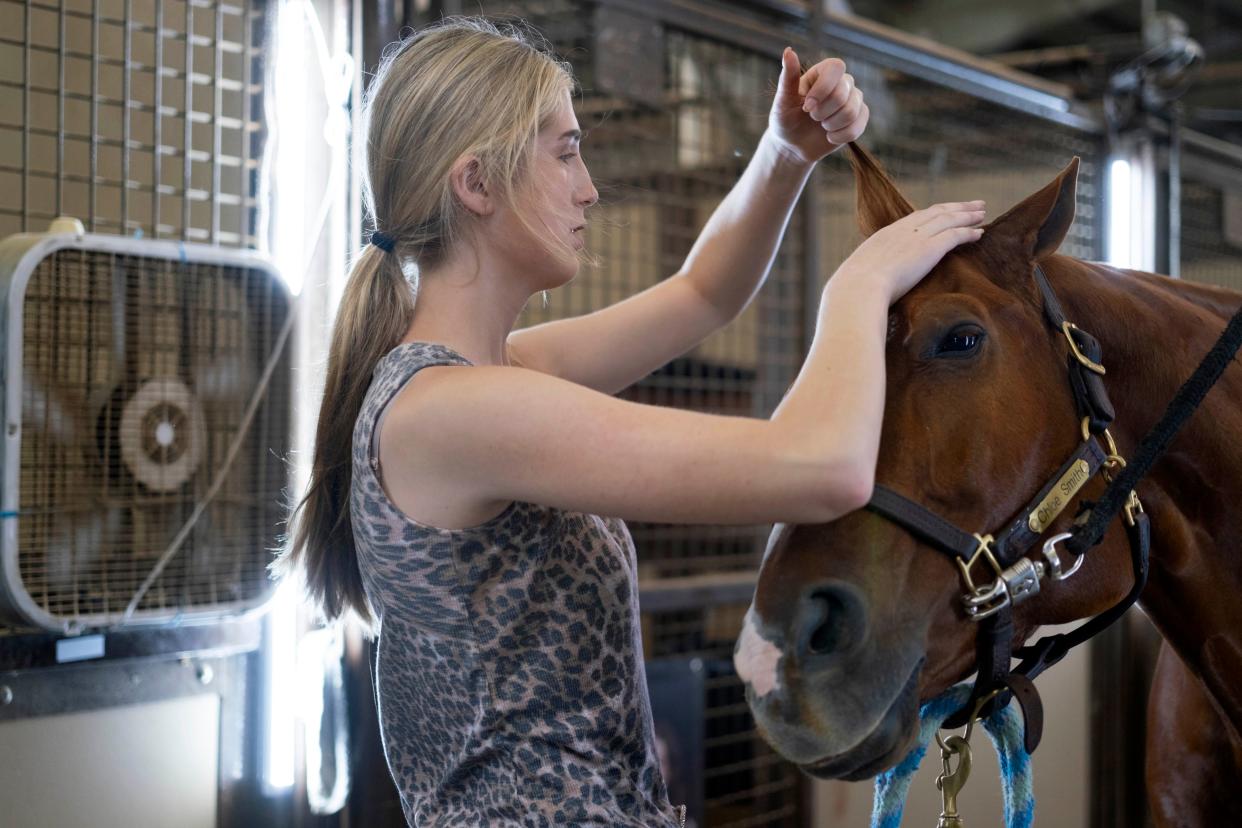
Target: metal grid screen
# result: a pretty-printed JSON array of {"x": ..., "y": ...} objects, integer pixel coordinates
[
  {"x": 128, "y": 412},
  {"x": 1211, "y": 231},
  {"x": 943, "y": 145},
  {"x": 135, "y": 116}
]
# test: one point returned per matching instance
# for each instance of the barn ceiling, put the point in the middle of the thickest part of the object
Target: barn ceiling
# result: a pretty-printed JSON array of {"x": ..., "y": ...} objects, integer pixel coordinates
[{"x": 1081, "y": 42}]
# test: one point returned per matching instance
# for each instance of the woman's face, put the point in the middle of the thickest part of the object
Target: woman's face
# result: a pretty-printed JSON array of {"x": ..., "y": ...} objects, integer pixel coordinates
[{"x": 552, "y": 201}]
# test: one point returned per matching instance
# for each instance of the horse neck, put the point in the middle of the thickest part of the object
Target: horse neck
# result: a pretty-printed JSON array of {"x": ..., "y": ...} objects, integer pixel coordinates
[{"x": 1154, "y": 331}]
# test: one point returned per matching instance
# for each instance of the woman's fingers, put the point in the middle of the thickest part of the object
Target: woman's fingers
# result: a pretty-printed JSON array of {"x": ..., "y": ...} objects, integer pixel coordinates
[
  {"x": 950, "y": 219},
  {"x": 818, "y": 82},
  {"x": 928, "y": 213},
  {"x": 846, "y": 115},
  {"x": 791, "y": 74},
  {"x": 960, "y": 235},
  {"x": 830, "y": 92},
  {"x": 852, "y": 130},
  {"x": 921, "y": 217}
]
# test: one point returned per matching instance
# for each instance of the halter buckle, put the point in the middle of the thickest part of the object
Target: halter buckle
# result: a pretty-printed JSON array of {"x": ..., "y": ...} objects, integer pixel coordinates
[
  {"x": 985, "y": 549},
  {"x": 1013, "y": 584},
  {"x": 983, "y": 601},
  {"x": 1091, "y": 365}
]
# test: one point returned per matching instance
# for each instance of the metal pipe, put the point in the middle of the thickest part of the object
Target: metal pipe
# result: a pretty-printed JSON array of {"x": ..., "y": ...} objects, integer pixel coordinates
[
  {"x": 94, "y": 158},
  {"x": 812, "y": 258},
  {"x": 157, "y": 124},
  {"x": 187, "y": 168},
  {"x": 217, "y": 105},
  {"x": 60, "y": 111},
  {"x": 126, "y": 132},
  {"x": 1175, "y": 191}
]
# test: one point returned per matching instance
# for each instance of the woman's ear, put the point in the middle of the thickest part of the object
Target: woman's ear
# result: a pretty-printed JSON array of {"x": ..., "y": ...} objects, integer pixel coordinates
[{"x": 466, "y": 177}]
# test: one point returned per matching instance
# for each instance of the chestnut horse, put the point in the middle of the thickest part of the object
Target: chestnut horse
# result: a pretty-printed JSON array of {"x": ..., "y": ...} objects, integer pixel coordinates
[{"x": 856, "y": 622}]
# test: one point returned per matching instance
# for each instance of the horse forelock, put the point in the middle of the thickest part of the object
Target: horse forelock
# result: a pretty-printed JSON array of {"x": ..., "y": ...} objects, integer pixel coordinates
[{"x": 879, "y": 200}]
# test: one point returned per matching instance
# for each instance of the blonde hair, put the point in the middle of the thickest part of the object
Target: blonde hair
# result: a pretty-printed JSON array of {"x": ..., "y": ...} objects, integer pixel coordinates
[{"x": 462, "y": 86}]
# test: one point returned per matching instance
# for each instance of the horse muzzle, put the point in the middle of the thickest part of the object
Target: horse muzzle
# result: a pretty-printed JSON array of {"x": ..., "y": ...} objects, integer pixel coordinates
[{"x": 824, "y": 692}]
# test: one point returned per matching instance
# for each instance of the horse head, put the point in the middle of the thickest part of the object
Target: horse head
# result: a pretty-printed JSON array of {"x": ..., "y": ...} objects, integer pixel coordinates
[{"x": 856, "y": 622}]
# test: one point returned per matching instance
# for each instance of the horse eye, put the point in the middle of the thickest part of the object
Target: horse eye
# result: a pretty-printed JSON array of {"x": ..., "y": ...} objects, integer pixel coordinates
[{"x": 960, "y": 342}]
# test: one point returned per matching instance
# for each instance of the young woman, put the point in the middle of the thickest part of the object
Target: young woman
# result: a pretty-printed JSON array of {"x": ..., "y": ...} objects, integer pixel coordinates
[{"x": 469, "y": 482}]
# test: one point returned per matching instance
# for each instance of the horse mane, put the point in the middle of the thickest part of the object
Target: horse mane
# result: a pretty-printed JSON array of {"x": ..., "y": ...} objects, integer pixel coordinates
[{"x": 1215, "y": 299}]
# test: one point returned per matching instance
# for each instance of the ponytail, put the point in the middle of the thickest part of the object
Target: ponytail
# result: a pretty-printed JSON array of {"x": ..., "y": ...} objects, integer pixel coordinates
[{"x": 375, "y": 313}]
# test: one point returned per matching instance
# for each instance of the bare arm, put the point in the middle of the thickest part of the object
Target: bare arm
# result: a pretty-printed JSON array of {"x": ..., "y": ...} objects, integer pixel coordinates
[
  {"x": 732, "y": 256},
  {"x": 496, "y": 433}
]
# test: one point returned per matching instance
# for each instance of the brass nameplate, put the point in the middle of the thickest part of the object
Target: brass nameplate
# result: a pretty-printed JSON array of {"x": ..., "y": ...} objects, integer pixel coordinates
[{"x": 1059, "y": 497}]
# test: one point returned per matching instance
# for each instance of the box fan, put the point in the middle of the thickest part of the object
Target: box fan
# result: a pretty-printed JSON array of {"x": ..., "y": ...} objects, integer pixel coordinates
[{"x": 146, "y": 400}]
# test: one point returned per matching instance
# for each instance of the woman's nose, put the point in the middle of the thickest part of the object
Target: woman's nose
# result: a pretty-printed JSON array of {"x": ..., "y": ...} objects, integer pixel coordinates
[{"x": 590, "y": 196}]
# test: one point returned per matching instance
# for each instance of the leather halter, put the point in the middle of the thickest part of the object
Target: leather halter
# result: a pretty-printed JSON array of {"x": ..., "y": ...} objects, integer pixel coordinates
[{"x": 1018, "y": 577}]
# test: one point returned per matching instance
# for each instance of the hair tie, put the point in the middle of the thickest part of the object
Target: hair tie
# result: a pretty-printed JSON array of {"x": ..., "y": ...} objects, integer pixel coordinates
[{"x": 383, "y": 242}]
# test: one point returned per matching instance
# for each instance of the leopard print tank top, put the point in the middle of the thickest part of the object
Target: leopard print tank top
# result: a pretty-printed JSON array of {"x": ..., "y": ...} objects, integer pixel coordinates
[{"x": 509, "y": 673}]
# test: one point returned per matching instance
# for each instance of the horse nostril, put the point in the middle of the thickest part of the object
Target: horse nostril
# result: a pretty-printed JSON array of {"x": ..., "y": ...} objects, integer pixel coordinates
[
  {"x": 826, "y": 633},
  {"x": 831, "y": 620}
]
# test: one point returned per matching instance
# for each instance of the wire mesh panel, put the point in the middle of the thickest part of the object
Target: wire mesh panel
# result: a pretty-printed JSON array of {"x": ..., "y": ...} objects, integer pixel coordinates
[
  {"x": 134, "y": 116},
  {"x": 944, "y": 145},
  {"x": 744, "y": 783},
  {"x": 1211, "y": 232}
]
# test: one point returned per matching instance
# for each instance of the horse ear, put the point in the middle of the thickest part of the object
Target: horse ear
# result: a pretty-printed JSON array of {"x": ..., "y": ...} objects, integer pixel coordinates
[
  {"x": 1039, "y": 223},
  {"x": 880, "y": 203}
]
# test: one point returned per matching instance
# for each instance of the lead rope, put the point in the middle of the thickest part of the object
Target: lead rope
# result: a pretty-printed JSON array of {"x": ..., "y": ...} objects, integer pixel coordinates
[{"x": 1004, "y": 728}]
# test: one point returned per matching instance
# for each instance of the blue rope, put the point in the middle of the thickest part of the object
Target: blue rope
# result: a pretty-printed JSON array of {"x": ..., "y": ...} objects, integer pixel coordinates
[{"x": 1004, "y": 727}]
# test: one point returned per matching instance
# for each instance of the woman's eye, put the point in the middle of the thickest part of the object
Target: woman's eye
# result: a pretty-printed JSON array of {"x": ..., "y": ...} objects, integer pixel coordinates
[
  {"x": 570, "y": 155},
  {"x": 960, "y": 342}
]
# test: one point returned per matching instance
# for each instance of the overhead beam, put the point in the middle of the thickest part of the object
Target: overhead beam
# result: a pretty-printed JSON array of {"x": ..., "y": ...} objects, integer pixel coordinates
[{"x": 984, "y": 26}]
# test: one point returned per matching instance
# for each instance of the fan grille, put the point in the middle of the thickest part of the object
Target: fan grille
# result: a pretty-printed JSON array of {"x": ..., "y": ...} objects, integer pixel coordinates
[{"x": 136, "y": 375}]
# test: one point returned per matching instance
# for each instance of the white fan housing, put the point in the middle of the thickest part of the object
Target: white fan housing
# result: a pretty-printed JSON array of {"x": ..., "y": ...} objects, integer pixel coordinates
[{"x": 128, "y": 366}]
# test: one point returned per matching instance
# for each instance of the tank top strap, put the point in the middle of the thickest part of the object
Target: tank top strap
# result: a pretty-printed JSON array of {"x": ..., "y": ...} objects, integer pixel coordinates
[
  {"x": 408, "y": 357},
  {"x": 393, "y": 371}
]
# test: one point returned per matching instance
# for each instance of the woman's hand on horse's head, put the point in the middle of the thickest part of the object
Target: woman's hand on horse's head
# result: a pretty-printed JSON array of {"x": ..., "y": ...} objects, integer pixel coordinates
[
  {"x": 900, "y": 255},
  {"x": 817, "y": 112}
]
